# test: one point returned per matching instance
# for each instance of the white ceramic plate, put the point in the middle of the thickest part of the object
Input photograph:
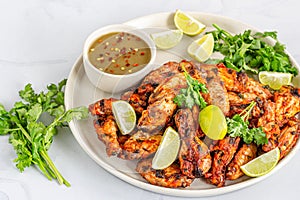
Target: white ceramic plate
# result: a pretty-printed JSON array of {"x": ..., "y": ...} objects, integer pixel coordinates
[{"x": 79, "y": 91}]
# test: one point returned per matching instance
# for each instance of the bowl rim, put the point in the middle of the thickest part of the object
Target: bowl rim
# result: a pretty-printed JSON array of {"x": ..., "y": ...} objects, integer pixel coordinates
[{"x": 119, "y": 28}]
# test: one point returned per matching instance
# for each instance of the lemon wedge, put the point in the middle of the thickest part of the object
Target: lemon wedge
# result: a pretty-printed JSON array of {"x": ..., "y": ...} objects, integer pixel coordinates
[
  {"x": 263, "y": 164},
  {"x": 202, "y": 48},
  {"x": 213, "y": 122},
  {"x": 124, "y": 115},
  {"x": 275, "y": 79},
  {"x": 167, "y": 150},
  {"x": 167, "y": 39},
  {"x": 188, "y": 24}
]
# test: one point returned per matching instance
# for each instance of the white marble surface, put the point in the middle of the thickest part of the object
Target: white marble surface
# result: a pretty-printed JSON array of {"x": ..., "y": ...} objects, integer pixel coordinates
[{"x": 40, "y": 41}]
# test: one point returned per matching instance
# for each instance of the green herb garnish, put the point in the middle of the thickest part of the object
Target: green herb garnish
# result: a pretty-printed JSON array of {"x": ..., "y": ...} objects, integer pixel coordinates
[
  {"x": 30, "y": 137},
  {"x": 191, "y": 95},
  {"x": 237, "y": 126},
  {"x": 250, "y": 52}
]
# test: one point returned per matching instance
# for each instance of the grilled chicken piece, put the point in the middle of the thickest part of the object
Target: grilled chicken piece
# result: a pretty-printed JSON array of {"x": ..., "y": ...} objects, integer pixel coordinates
[
  {"x": 224, "y": 151},
  {"x": 277, "y": 114},
  {"x": 161, "y": 106},
  {"x": 170, "y": 177},
  {"x": 241, "y": 88},
  {"x": 102, "y": 108},
  {"x": 254, "y": 87},
  {"x": 105, "y": 125},
  {"x": 245, "y": 154},
  {"x": 267, "y": 122},
  {"x": 195, "y": 113},
  {"x": 126, "y": 147},
  {"x": 272, "y": 131},
  {"x": 240, "y": 98},
  {"x": 287, "y": 101},
  {"x": 288, "y": 137},
  {"x": 230, "y": 78},
  {"x": 269, "y": 114},
  {"x": 269, "y": 126},
  {"x": 194, "y": 157},
  {"x": 202, "y": 157},
  {"x": 126, "y": 95},
  {"x": 138, "y": 98},
  {"x": 107, "y": 133},
  {"x": 137, "y": 147},
  {"x": 217, "y": 92},
  {"x": 193, "y": 69}
]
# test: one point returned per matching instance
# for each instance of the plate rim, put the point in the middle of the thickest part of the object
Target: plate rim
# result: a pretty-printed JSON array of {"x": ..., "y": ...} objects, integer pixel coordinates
[{"x": 185, "y": 192}]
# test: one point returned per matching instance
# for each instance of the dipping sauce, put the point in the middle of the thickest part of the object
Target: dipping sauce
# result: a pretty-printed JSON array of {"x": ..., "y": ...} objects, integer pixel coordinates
[{"x": 119, "y": 53}]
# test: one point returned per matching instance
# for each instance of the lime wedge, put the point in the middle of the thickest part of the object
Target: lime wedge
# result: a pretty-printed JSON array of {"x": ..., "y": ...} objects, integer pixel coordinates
[
  {"x": 212, "y": 122},
  {"x": 167, "y": 39},
  {"x": 275, "y": 79},
  {"x": 167, "y": 150},
  {"x": 124, "y": 115},
  {"x": 188, "y": 24},
  {"x": 202, "y": 48},
  {"x": 262, "y": 164}
]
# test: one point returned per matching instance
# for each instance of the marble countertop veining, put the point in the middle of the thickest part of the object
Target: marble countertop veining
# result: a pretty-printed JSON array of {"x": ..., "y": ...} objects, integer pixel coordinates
[{"x": 39, "y": 43}]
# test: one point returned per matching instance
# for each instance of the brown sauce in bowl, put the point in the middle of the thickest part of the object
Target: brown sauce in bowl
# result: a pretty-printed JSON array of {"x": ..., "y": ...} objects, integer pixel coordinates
[{"x": 119, "y": 53}]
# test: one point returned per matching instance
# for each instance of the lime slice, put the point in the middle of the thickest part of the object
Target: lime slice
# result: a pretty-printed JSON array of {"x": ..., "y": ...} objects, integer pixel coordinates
[
  {"x": 262, "y": 164},
  {"x": 167, "y": 150},
  {"x": 188, "y": 24},
  {"x": 275, "y": 79},
  {"x": 167, "y": 39},
  {"x": 212, "y": 122},
  {"x": 202, "y": 48},
  {"x": 124, "y": 115}
]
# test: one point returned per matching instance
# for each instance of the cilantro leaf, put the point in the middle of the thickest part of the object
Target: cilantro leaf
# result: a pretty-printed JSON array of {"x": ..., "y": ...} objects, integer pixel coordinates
[
  {"x": 250, "y": 52},
  {"x": 238, "y": 126},
  {"x": 191, "y": 95},
  {"x": 259, "y": 136},
  {"x": 5, "y": 122}
]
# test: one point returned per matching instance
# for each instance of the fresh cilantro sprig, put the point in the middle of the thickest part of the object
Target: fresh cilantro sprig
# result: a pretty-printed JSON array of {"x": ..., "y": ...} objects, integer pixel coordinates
[
  {"x": 191, "y": 95},
  {"x": 247, "y": 51},
  {"x": 238, "y": 126},
  {"x": 30, "y": 137}
]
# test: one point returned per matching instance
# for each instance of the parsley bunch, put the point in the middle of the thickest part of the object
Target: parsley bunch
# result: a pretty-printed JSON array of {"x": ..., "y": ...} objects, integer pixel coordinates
[
  {"x": 237, "y": 126},
  {"x": 247, "y": 51},
  {"x": 191, "y": 95},
  {"x": 30, "y": 137}
]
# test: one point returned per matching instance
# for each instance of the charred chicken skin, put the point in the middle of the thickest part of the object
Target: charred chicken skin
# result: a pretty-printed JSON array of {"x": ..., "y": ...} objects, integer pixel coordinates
[
  {"x": 138, "y": 98},
  {"x": 245, "y": 154},
  {"x": 168, "y": 177},
  {"x": 223, "y": 153},
  {"x": 105, "y": 125},
  {"x": 194, "y": 157}
]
